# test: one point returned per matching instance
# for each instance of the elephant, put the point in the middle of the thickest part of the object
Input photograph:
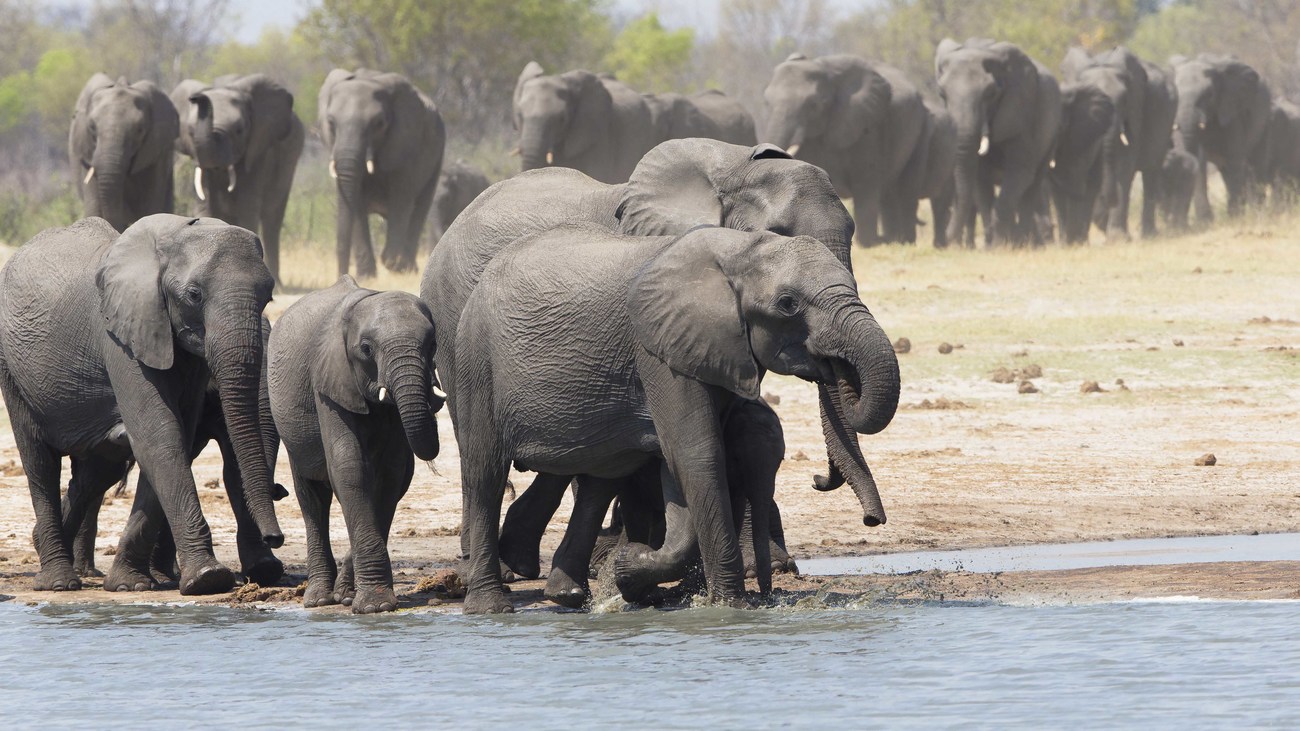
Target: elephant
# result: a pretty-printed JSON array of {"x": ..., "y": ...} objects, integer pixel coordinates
[
  {"x": 709, "y": 114},
  {"x": 108, "y": 344},
  {"x": 386, "y": 141},
  {"x": 245, "y": 140},
  {"x": 1007, "y": 108},
  {"x": 1223, "y": 115},
  {"x": 647, "y": 371},
  {"x": 927, "y": 176},
  {"x": 120, "y": 148},
  {"x": 1145, "y": 101},
  {"x": 861, "y": 122},
  {"x": 1178, "y": 177},
  {"x": 458, "y": 186},
  {"x": 1282, "y": 163},
  {"x": 581, "y": 120},
  {"x": 1078, "y": 166},
  {"x": 354, "y": 394},
  {"x": 678, "y": 185}
]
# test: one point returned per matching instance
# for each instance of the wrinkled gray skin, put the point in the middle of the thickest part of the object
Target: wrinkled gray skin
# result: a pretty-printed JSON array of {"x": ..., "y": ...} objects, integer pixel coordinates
[
  {"x": 1282, "y": 163},
  {"x": 1145, "y": 101},
  {"x": 1178, "y": 179},
  {"x": 458, "y": 186},
  {"x": 679, "y": 185},
  {"x": 647, "y": 372},
  {"x": 386, "y": 142},
  {"x": 120, "y": 148},
  {"x": 352, "y": 390},
  {"x": 245, "y": 140},
  {"x": 710, "y": 114},
  {"x": 861, "y": 122},
  {"x": 580, "y": 120},
  {"x": 1007, "y": 109},
  {"x": 1078, "y": 168},
  {"x": 927, "y": 176},
  {"x": 1223, "y": 114},
  {"x": 108, "y": 344}
]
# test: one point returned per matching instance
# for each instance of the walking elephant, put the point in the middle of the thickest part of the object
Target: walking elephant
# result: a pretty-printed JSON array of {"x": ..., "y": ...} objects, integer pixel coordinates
[
  {"x": 861, "y": 122},
  {"x": 1145, "y": 101},
  {"x": 1078, "y": 167},
  {"x": 458, "y": 186},
  {"x": 1179, "y": 175},
  {"x": 1223, "y": 114},
  {"x": 354, "y": 393},
  {"x": 386, "y": 141},
  {"x": 648, "y": 370},
  {"x": 1007, "y": 108},
  {"x": 1282, "y": 163},
  {"x": 927, "y": 176},
  {"x": 108, "y": 344},
  {"x": 120, "y": 148},
  {"x": 710, "y": 114},
  {"x": 581, "y": 120},
  {"x": 245, "y": 141}
]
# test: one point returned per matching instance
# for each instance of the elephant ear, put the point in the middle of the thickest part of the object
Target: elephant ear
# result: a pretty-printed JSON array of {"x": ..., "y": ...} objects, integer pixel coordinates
[
  {"x": 861, "y": 98},
  {"x": 1076, "y": 60},
  {"x": 1019, "y": 78},
  {"x": 946, "y": 47},
  {"x": 165, "y": 126},
  {"x": 272, "y": 111},
  {"x": 530, "y": 72},
  {"x": 672, "y": 190},
  {"x": 592, "y": 108},
  {"x": 187, "y": 111},
  {"x": 334, "y": 78},
  {"x": 80, "y": 141},
  {"x": 331, "y": 370},
  {"x": 685, "y": 311},
  {"x": 1240, "y": 84},
  {"x": 413, "y": 123},
  {"x": 131, "y": 299}
]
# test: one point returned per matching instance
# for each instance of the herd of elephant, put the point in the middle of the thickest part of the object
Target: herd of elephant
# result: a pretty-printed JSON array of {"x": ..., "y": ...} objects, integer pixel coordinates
[{"x": 603, "y": 319}]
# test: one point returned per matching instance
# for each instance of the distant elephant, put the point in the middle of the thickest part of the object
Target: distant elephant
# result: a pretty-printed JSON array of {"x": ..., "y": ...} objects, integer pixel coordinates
[
  {"x": 861, "y": 122},
  {"x": 354, "y": 393},
  {"x": 1178, "y": 178},
  {"x": 1007, "y": 108},
  {"x": 386, "y": 143},
  {"x": 1223, "y": 114},
  {"x": 245, "y": 140},
  {"x": 647, "y": 371},
  {"x": 458, "y": 186},
  {"x": 1282, "y": 163},
  {"x": 1078, "y": 166},
  {"x": 710, "y": 114},
  {"x": 108, "y": 344},
  {"x": 1145, "y": 101},
  {"x": 120, "y": 147},
  {"x": 581, "y": 120},
  {"x": 928, "y": 175}
]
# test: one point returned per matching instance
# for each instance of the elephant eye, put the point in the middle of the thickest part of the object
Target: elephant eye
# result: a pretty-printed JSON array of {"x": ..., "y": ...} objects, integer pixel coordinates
[
  {"x": 193, "y": 295},
  {"x": 366, "y": 350},
  {"x": 787, "y": 305}
]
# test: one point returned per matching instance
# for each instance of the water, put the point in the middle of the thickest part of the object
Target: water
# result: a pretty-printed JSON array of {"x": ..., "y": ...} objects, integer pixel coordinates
[{"x": 1179, "y": 664}]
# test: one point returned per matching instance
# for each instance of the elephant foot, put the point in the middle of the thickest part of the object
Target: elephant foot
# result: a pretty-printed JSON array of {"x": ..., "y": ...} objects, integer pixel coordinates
[
  {"x": 88, "y": 571},
  {"x": 488, "y": 601},
  {"x": 319, "y": 593},
  {"x": 60, "y": 577},
  {"x": 633, "y": 579},
  {"x": 212, "y": 578},
  {"x": 564, "y": 591},
  {"x": 522, "y": 558},
  {"x": 374, "y": 599},
  {"x": 125, "y": 577},
  {"x": 266, "y": 572},
  {"x": 605, "y": 545},
  {"x": 344, "y": 593}
]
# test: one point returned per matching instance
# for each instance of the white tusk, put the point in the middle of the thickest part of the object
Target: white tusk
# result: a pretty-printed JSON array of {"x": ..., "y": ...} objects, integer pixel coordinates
[
  {"x": 550, "y": 157},
  {"x": 198, "y": 184},
  {"x": 230, "y": 188},
  {"x": 793, "y": 149},
  {"x": 1176, "y": 127},
  {"x": 1123, "y": 138},
  {"x": 1052, "y": 164},
  {"x": 383, "y": 393},
  {"x": 1200, "y": 125},
  {"x": 334, "y": 171},
  {"x": 89, "y": 174},
  {"x": 370, "y": 166},
  {"x": 440, "y": 393},
  {"x": 984, "y": 145},
  {"x": 516, "y": 152}
]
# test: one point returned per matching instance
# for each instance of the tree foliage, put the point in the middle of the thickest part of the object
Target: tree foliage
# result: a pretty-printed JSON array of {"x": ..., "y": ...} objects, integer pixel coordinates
[{"x": 651, "y": 58}]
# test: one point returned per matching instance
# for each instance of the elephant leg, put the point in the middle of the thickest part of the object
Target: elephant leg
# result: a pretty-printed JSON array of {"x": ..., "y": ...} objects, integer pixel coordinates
[
  {"x": 92, "y": 477},
  {"x": 130, "y": 570},
  {"x": 755, "y": 448},
  {"x": 362, "y": 246},
  {"x": 354, "y": 478},
  {"x": 567, "y": 583},
  {"x": 162, "y": 561},
  {"x": 399, "y": 235},
  {"x": 1015, "y": 184},
  {"x": 396, "y": 467},
  {"x": 1152, "y": 192},
  {"x": 941, "y": 212},
  {"x": 314, "y": 498},
  {"x": 866, "y": 214},
  {"x": 272, "y": 223},
  {"x": 526, "y": 521},
  {"x": 757, "y": 511},
  {"x": 419, "y": 219},
  {"x": 1201, "y": 195},
  {"x": 638, "y": 568},
  {"x": 782, "y": 562},
  {"x": 256, "y": 560},
  {"x": 984, "y": 199}
]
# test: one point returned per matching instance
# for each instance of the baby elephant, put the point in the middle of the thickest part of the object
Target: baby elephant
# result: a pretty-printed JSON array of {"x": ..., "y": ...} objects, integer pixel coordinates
[{"x": 354, "y": 394}]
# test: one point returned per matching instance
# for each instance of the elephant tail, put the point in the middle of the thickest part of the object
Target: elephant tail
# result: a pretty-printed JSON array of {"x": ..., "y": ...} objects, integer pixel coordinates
[{"x": 120, "y": 488}]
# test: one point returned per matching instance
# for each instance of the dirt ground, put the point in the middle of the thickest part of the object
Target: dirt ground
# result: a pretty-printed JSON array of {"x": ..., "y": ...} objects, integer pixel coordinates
[{"x": 1048, "y": 396}]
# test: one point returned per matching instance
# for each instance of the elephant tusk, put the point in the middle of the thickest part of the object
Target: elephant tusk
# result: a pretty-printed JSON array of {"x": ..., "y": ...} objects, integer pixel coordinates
[
  {"x": 1176, "y": 127},
  {"x": 1200, "y": 126},
  {"x": 550, "y": 157},
  {"x": 383, "y": 393},
  {"x": 370, "y": 167},
  {"x": 440, "y": 393},
  {"x": 984, "y": 145},
  {"x": 793, "y": 149},
  {"x": 198, "y": 184},
  {"x": 231, "y": 187},
  {"x": 516, "y": 152},
  {"x": 89, "y": 174},
  {"x": 334, "y": 171},
  {"x": 1052, "y": 164},
  {"x": 1123, "y": 138}
]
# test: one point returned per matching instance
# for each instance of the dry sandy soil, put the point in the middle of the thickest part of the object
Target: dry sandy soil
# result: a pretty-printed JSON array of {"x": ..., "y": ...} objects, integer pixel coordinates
[{"x": 1193, "y": 342}]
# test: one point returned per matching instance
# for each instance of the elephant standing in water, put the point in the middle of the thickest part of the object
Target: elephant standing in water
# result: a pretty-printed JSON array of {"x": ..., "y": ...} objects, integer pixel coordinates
[
  {"x": 458, "y": 186},
  {"x": 108, "y": 345},
  {"x": 386, "y": 141},
  {"x": 1145, "y": 101},
  {"x": 1223, "y": 115},
  {"x": 245, "y": 141},
  {"x": 1078, "y": 166},
  {"x": 648, "y": 371},
  {"x": 862, "y": 123},
  {"x": 1007, "y": 108},
  {"x": 120, "y": 147}
]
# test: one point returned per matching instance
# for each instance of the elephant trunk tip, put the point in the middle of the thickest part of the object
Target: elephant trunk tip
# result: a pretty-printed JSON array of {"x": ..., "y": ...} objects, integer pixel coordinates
[
  {"x": 273, "y": 540},
  {"x": 871, "y": 520}
]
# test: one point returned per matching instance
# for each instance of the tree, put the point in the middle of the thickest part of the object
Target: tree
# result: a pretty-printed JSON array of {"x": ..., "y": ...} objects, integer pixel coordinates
[
  {"x": 159, "y": 40},
  {"x": 650, "y": 58}
]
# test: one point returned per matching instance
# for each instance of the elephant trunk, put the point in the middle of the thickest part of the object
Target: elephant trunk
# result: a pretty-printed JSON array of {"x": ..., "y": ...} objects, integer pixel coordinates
[
  {"x": 965, "y": 175},
  {"x": 348, "y": 166},
  {"x": 535, "y": 144},
  {"x": 235, "y": 355},
  {"x": 410, "y": 377},
  {"x": 110, "y": 184}
]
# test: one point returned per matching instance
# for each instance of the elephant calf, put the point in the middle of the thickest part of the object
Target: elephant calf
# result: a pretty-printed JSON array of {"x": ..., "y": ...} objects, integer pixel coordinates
[
  {"x": 458, "y": 186},
  {"x": 354, "y": 396}
]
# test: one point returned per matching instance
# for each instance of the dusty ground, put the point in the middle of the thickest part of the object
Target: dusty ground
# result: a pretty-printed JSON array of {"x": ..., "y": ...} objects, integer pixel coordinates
[{"x": 1201, "y": 330}]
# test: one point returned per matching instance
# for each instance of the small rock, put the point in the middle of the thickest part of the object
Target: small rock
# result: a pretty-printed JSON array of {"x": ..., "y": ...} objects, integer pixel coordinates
[
  {"x": 1033, "y": 370},
  {"x": 1178, "y": 343},
  {"x": 799, "y": 456},
  {"x": 1091, "y": 387},
  {"x": 1152, "y": 349},
  {"x": 1206, "y": 460},
  {"x": 1002, "y": 375},
  {"x": 213, "y": 484},
  {"x": 1020, "y": 354},
  {"x": 1197, "y": 270},
  {"x": 1027, "y": 387},
  {"x": 110, "y": 551},
  {"x": 945, "y": 348},
  {"x": 772, "y": 399},
  {"x": 902, "y": 345}
]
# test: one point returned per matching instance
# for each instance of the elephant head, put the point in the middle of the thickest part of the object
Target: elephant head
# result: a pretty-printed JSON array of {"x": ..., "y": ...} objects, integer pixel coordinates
[
  {"x": 118, "y": 130},
  {"x": 1087, "y": 121},
  {"x": 766, "y": 302},
  {"x": 200, "y": 285},
  {"x": 377, "y": 351},
  {"x": 559, "y": 117},
  {"x": 824, "y": 105},
  {"x": 230, "y": 125},
  {"x": 1214, "y": 93}
]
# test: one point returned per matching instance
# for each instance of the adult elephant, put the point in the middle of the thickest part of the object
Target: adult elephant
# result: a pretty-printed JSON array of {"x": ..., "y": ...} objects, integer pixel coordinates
[
  {"x": 386, "y": 141},
  {"x": 120, "y": 147},
  {"x": 927, "y": 176},
  {"x": 245, "y": 140},
  {"x": 1282, "y": 169},
  {"x": 1007, "y": 109},
  {"x": 1078, "y": 168},
  {"x": 859, "y": 121},
  {"x": 1145, "y": 101},
  {"x": 581, "y": 120},
  {"x": 1223, "y": 114},
  {"x": 458, "y": 186},
  {"x": 709, "y": 114},
  {"x": 108, "y": 344},
  {"x": 652, "y": 338}
]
